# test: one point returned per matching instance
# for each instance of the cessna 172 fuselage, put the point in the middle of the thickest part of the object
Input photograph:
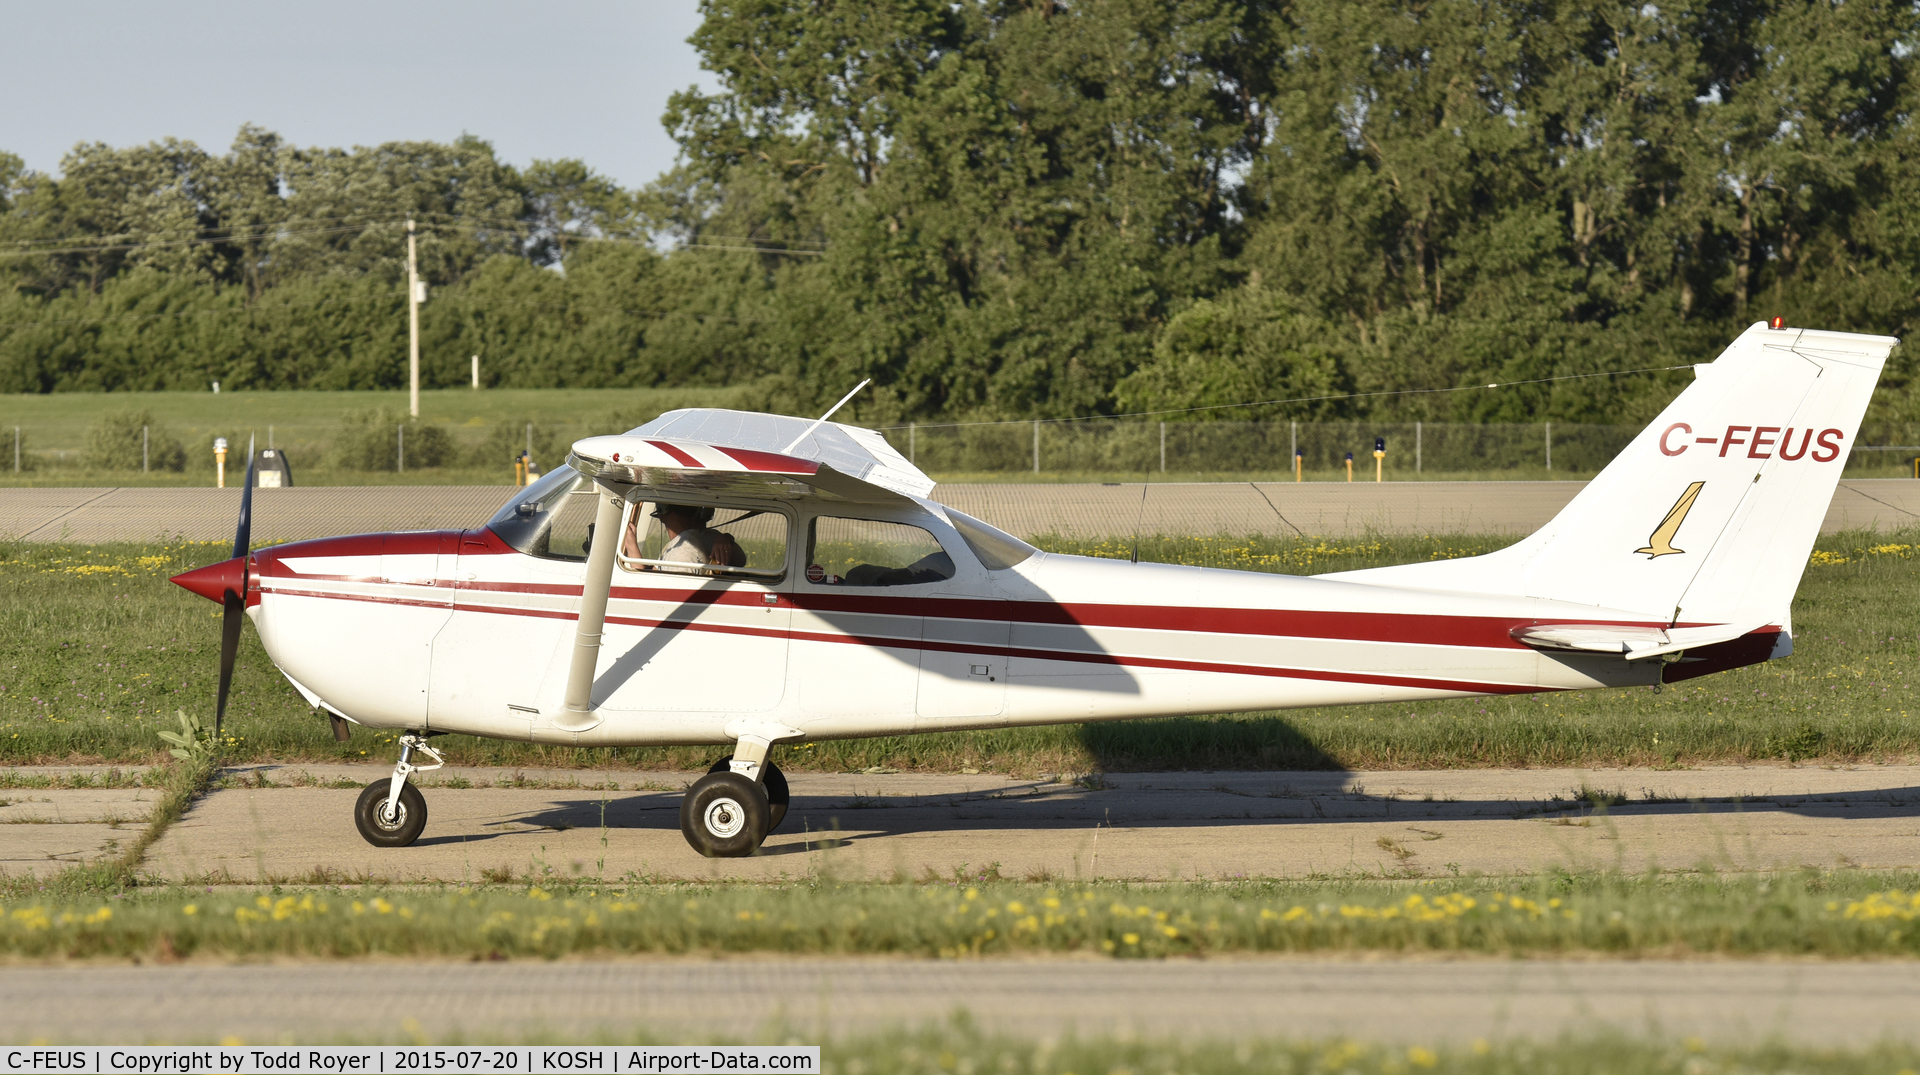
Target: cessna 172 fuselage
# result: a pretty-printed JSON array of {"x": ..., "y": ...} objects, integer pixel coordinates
[{"x": 852, "y": 604}]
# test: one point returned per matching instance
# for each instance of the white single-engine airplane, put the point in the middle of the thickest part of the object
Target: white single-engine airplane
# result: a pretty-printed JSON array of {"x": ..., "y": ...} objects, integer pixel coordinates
[{"x": 760, "y": 579}]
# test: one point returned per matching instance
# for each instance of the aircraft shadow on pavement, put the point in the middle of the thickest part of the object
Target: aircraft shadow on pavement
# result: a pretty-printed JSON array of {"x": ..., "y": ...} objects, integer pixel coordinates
[
  {"x": 1271, "y": 743},
  {"x": 1196, "y": 800}
]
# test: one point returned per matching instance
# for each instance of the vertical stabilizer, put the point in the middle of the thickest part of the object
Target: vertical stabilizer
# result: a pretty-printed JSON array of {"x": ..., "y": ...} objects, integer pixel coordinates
[{"x": 1710, "y": 514}]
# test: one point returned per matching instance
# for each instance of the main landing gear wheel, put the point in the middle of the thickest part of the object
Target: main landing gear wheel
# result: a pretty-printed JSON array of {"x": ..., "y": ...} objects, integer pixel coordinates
[
  {"x": 397, "y": 827},
  {"x": 775, "y": 783},
  {"x": 725, "y": 815}
]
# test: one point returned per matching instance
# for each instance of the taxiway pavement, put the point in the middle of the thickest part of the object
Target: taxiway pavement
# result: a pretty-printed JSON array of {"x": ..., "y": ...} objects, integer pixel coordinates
[
  {"x": 42, "y": 829},
  {"x": 290, "y": 823},
  {"x": 1429, "y": 1002}
]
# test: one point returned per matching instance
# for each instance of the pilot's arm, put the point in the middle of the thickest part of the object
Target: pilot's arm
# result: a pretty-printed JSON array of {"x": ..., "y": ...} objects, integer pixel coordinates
[
  {"x": 630, "y": 541},
  {"x": 726, "y": 552}
]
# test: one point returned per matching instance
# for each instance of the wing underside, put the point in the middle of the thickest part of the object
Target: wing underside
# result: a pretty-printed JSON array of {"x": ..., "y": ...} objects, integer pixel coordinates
[{"x": 669, "y": 465}]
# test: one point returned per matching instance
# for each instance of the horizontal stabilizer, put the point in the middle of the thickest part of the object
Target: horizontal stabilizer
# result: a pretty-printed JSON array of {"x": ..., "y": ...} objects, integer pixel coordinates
[{"x": 1633, "y": 643}]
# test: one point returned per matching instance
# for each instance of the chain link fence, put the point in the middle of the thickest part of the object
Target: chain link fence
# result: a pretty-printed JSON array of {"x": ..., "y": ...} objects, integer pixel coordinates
[
  {"x": 1113, "y": 450},
  {"x": 1412, "y": 448}
]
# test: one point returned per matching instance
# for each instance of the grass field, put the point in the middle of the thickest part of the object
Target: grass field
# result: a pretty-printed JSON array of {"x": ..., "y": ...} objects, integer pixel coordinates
[
  {"x": 940, "y": 1049},
  {"x": 1837, "y": 914},
  {"x": 307, "y": 424},
  {"x": 100, "y": 651}
]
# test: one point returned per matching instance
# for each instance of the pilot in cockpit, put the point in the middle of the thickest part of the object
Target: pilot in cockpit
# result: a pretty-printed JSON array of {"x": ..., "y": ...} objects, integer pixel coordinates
[{"x": 690, "y": 540}]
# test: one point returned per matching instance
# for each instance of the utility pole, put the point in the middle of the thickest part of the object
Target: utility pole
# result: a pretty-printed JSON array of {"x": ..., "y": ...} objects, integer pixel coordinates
[{"x": 413, "y": 327}]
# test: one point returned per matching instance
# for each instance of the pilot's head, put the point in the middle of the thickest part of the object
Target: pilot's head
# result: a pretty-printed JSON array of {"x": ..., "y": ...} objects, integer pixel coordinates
[{"x": 683, "y": 516}]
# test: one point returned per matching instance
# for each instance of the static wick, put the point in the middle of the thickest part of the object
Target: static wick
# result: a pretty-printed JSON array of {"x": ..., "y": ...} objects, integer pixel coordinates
[{"x": 817, "y": 422}]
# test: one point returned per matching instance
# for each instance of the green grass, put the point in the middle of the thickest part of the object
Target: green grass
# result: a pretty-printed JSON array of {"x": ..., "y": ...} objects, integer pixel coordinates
[
  {"x": 307, "y": 423},
  {"x": 304, "y": 424},
  {"x": 100, "y": 650},
  {"x": 1841, "y": 914},
  {"x": 945, "y": 1048}
]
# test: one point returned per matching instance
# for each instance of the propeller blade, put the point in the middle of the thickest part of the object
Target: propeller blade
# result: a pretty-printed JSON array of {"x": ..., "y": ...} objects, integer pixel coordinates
[
  {"x": 243, "y": 534},
  {"x": 236, "y": 610},
  {"x": 236, "y": 603}
]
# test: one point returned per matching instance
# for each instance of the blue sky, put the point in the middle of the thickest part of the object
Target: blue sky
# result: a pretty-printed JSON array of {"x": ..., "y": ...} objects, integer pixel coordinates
[{"x": 559, "y": 78}]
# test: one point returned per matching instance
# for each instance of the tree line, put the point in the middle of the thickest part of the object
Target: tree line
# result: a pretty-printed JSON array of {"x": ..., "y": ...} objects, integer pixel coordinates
[{"x": 1032, "y": 209}]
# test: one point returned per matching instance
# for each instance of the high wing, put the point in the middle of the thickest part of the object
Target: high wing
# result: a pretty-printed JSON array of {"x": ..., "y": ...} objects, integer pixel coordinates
[{"x": 744, "y": 454}]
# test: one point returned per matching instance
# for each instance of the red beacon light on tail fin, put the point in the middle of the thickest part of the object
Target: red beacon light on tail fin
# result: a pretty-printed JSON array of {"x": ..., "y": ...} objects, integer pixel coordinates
[{"x": 1777, "y": 322}]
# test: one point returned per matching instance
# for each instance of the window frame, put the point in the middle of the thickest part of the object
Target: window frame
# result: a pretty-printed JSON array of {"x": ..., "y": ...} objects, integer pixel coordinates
[
  {"x": 927, "y": 522},
  {"x": 643, "y": 567}
]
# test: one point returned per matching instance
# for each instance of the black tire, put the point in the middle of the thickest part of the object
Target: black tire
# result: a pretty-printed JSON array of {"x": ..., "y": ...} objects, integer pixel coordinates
[
  {"x": 774, "y": 781},
  {"x": 724, "y": 815},
  {"x": 398, "y": 831}
]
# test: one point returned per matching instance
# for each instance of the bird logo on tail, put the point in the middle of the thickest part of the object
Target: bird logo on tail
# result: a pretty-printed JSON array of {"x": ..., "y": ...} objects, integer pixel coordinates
[{"x": 1660, "y": 542}]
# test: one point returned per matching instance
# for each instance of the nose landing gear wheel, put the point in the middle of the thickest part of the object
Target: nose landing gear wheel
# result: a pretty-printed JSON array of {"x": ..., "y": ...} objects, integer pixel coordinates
[
  {"x": 396, "y": 828},
  {"x": 774, "y": 781},
  {"x": 725, "y": 815}
]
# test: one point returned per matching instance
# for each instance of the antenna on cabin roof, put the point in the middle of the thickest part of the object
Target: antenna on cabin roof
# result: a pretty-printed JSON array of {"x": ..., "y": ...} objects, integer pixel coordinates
[{"x": 817, "y": 422}]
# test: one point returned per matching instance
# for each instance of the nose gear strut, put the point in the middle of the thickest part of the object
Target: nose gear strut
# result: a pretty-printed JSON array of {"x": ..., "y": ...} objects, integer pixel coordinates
[{"x": 392, "y": 812}]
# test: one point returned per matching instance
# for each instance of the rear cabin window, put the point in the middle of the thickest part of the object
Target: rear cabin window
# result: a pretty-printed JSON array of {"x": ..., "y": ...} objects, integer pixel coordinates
[{"x": 864, "y": 552}]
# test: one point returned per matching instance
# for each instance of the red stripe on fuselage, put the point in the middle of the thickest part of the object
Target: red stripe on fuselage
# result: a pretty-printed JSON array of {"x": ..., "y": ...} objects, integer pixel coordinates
[
  {"x": 1069, "y": 656},
  {"x": 1481, "y": 632}
]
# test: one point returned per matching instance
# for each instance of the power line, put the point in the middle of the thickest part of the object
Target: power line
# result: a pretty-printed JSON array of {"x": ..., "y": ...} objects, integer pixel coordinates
[
  {"x": 107, "y": 248},
  {"x": 81, "y": 245}
]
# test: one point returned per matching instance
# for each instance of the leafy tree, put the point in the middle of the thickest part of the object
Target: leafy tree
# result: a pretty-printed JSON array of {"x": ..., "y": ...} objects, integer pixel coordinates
[{"x": 1044, "y": 209}]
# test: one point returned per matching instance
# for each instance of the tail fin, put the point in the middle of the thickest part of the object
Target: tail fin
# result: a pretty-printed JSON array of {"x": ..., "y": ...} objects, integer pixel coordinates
[{"x": 1710, "y": 514}]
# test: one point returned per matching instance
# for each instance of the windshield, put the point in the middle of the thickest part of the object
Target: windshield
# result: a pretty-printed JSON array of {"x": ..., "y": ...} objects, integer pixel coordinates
[{"x": 549, "y": 520}]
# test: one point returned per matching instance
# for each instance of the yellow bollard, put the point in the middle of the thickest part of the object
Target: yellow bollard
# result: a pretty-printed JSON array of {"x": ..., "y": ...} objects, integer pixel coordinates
[
  {"x": 219, "y": 462},
  {"x": 1349, "y": 466},
  {"x": 1379, "y": 458},
  {"x": 1300, "y": 457}
]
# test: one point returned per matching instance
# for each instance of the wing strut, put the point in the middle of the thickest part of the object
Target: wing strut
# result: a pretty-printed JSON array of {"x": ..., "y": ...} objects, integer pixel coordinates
[{"x": 577, "y": 714}]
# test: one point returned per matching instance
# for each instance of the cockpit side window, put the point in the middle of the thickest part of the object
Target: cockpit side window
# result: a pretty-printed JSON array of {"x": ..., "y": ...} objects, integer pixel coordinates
[
  {"x": 867, "y": 552},
  {"x": 693, "y": 539},
  {"x": 552, "y": 519}
]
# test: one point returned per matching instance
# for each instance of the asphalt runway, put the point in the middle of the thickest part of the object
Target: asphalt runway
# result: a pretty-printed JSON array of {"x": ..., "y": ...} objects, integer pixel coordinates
[
  {"x": 1151, "y": 826},
  {"x": 1430, "y": 1002}
]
